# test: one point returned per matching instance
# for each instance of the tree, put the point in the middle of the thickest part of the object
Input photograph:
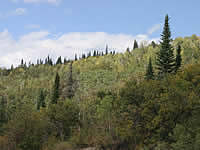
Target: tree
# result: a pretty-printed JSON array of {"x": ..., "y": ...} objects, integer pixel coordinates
[
  {"x": 178, "y": 58},
  {"x": 94, "y": 53},
  {"x": 70, "y": 82},
  {"x": 41, "y": 100},
  {"x": 165, "y": 58},
  {"x": 149, "y": 72},
  {"x": 3, "y": 116},
  {"x": 56, "y": 92},
  {"x": 135, "y": 45},
  {"x": 106, "y": 50},
  {"x": 59, "y": 60},
  {"x": 128, "y": 50},
  {"x": 75, "y": 57},
  {"x": 153, "y": 44}
]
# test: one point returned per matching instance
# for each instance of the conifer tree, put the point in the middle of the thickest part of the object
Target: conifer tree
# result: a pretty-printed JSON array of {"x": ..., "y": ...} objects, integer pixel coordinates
[
  {"x": 3, "y": 116},
  {"x": 165, "y": 58},
  {"x": 69, "y": 86},
  {"x": 94, "y": 53},
  {"x": 59, "y": 60},
  {"x": 83, "y": 56},
  {"x": 178, "y": 58},
  {"x": 56, "y": 93},
  {"x": 135, "y": 45},
  {"x": 41, "y": 100},
  {"x": 149, "y": 72},
  {"x": 75, "y": 57},
  {"x": 153, "y": 44},
  {"x": 106, "y": 53},
  {"x": 128, "y": 50}
]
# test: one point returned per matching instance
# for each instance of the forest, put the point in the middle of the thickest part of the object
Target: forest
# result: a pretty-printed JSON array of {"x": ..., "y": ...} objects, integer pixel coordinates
[{"x": 147, "y": 98}]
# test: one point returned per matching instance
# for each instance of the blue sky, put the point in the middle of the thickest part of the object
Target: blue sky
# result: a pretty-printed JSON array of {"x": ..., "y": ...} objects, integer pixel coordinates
[{"x": 35, "y": 28}]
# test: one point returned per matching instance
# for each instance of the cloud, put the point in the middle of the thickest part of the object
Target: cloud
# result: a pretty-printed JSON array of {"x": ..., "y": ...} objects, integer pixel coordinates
[
  {"x": 36, "y": 45},
  {"x": 32, "y": 26},
  {"x": 153, "y": 29},
  {"x": 19, "y": 11},
  {"x": 16, "y": 12}
]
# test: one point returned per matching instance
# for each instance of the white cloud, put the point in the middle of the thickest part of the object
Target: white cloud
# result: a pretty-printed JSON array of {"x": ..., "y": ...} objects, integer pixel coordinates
[
  {"x": 16, "y": 12},
  {"x": 19, "y": 11},
  {"x": 153, "y": 29},
  {"x": 36, "y": 45}
]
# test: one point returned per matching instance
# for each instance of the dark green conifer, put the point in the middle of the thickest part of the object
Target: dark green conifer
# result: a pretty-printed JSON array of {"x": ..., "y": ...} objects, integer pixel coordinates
[
  {"x": 106, "y": 50},
  {"x": 70, "y": 82},
  {"x": 75, "y": 57},
  {"x": 59, "y": 60},
  {"x": 41, "y": 100},
  {"x": 94, "y": 53},
  {"x": 135, "y": 45},
  {"x": 178, "y": 58},
  {"x": 153, "y": 44},
  {"x": 56, "y": 93},
  {"x": 3, "y": 114},
  {"x": 128, "y": 50},
  {"x": 165, "y": 58},
  {"x": 149, "y": 72}
]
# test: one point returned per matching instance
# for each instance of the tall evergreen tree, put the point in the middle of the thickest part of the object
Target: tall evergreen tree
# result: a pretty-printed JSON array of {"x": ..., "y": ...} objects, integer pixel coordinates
[
  {"x": 75, "y": 57},
  {"x": 41, "y": 100},
  {"x": 178, "y": 58},
  {"x": 128, "y": 50},
  {"x": 59, "y": 60},
  {"x": 165, "y": 60},
  {"x": 149, "y": 72},
  {"x": 135, "y": 45},
  {"x": 56, "y": 93},
  {"x": 3, "y": 116},
  {"x": 106, "y": 50},
  {"x": 153, "y": 44},
  {"x": 69, "y": 86},
  {"x": 94, "y": 53}
]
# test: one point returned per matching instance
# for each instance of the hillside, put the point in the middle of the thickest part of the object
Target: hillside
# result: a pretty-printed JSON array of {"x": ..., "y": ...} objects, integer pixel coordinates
[{"x": 113, "y": 105}]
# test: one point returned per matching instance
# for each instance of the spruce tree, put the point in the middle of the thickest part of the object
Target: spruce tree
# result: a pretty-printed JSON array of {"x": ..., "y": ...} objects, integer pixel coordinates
[
  {"x": 41, "y": 100},
  {"x": 135, "y": 45},
  {"x": 75, "y": 57},
  {"x": 165, "y": 58},
  {"x": 149, "y": 72},
  {"x": 56, "y": 94},
  {"x": 128, "y": 50},
  {"x": 106, "y": 53},
  {"x": 3, "y": 116},
  {"x": 59, "y": 60},
  {"x": 69, "y": 85},
  {"x": 178, "y": 58}
]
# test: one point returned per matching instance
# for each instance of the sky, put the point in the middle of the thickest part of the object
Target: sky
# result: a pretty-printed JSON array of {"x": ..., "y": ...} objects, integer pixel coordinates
[{"x": 32, "y": 29}]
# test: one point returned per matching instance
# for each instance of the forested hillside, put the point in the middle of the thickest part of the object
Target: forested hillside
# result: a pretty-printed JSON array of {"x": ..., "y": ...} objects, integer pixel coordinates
[{"x": 103, "y": 101}]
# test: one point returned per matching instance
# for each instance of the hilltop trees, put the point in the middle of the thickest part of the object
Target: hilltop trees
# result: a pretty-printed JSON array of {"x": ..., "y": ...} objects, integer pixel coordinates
[{"x": 165, "y": 58}]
